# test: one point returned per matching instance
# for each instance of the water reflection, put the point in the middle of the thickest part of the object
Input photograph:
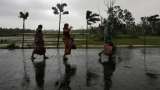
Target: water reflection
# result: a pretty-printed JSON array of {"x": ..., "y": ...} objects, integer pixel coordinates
[
  {"x": 127, "y": 57},
  {"x": 39, "y": 67},
  {"x": 108, "y": 69},
  {"x": 26, "y": 79},
  {"x": 70, "y": 71}
]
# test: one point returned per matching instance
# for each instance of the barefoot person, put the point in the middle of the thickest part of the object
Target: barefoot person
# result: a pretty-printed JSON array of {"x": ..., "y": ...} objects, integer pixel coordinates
[
  {"x": 39, "y": 43},
  {"x": 67, "y": 39}
]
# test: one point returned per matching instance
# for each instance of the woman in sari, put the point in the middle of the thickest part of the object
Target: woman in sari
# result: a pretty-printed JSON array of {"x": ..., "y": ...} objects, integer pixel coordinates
[
  {"x": 67, "y": 39},
  {"x": 39, "y": 43}
]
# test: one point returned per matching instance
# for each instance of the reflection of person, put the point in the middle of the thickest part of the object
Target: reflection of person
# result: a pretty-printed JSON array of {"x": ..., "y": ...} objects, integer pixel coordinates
[
  {"x": 40, "y": 73},
  {"x": 108, "y": 63},
  {"x": 70, "y": 71},
  {"x": 39, "y": 43},
  {"x": 108, "y": 69},
  {"x": 67, "y": 38},
  {"x": 127, "y": 57}
]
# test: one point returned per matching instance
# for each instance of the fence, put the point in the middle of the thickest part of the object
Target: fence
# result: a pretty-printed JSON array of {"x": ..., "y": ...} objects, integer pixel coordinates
[{"x": 49, "y": 38}]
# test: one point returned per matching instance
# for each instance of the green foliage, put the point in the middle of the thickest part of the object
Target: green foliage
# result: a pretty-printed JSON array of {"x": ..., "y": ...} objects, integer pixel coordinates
[
  {"x": 55, "y": 10},
  {"x": 60, "y": 8},
  {"x": 122, "y": 16},
  {"x": 151, "y": 24},
  {"x": 13, "y": 31},
  {"x": 91, "y": 17},
  {"x": 24, "y": 15},
  {"x": 119, "y": 20},
  {"x": 12, "y": 46},
  {"x": 150, "y": 40}
]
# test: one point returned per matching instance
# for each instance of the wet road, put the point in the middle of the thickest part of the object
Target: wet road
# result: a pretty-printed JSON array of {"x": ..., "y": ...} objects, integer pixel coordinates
[{"x": 82, "y": 71}]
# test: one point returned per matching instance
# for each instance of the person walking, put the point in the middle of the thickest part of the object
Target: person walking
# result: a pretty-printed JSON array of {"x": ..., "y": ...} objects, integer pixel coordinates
[
  {"x": 67, "y": 39},
  {"x": 39, "y": 43}
]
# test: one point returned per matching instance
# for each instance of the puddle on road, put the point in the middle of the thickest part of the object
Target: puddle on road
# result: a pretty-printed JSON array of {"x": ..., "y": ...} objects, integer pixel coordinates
[{"x": 80, "y": 72}]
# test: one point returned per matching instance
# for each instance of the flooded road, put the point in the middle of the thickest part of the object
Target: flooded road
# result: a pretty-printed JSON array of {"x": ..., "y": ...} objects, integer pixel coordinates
[{"x": 82, "y": 70}]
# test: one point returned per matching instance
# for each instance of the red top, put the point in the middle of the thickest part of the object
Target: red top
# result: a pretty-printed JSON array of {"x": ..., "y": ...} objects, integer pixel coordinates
[{"x": 108, "y": 49}]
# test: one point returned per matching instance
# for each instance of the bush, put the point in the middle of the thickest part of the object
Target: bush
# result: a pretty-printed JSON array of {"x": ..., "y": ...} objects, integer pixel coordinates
[
  {"x": 12, "y": 46},
  {"x": 3, "y": 41},
  {"x": 127, "y": 36}
]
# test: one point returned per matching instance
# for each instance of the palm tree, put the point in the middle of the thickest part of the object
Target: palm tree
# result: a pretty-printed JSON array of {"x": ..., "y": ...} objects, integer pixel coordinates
[
  {"x": 91, "y": 19},
  {"x": 59, "y": 10},
  {"x": 24, "y": 16},
  {"x": 153, "y": 20}
]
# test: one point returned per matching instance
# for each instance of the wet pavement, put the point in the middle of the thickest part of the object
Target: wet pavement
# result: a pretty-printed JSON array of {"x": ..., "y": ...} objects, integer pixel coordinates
[{"x": 82, "y": 70}]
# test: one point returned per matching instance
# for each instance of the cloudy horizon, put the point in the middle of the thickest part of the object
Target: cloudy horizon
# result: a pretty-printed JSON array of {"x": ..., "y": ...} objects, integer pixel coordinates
[{"x": 41, "y": 13}]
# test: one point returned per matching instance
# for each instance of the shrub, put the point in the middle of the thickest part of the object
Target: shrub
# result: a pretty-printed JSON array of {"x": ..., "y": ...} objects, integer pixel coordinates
[{"x": 12, "y": 46}]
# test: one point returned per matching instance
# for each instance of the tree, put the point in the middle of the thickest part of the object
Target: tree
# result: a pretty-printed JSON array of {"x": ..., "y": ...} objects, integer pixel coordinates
[
  {"x": 145, "y": 25},
  {"x": 108, "y": 24},
  {"x": 91, "y": 18},
  {"x": 151, "y": 23},
  {"x": 119, "y": 18},
  {"x": 154, "y": 20},
  {"x": 59, "y": 10},
  {"x": 119, "y": 21},
  {"x": 24, "y": 16}
]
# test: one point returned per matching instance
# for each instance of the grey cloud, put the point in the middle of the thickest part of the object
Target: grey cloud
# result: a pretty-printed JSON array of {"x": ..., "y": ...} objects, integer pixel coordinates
[{"x": 40, "y": 11}]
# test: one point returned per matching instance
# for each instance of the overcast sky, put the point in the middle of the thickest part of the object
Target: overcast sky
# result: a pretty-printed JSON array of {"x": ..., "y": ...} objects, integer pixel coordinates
[{"x": 41, "y": 12}]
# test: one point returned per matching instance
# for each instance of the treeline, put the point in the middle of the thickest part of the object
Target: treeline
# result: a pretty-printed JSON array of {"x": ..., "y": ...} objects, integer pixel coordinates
[
  {"x": 121, "y": 22},
  {"x": 13, "y": 31},
  {"x": 16, "y": 31}
]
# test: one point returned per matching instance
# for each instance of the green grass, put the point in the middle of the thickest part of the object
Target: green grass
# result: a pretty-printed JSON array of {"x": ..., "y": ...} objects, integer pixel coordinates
[
  {"x": 92, "y": 40},
  {"x": 127, "y": 40},
  {"x": 150, "y": 40}
]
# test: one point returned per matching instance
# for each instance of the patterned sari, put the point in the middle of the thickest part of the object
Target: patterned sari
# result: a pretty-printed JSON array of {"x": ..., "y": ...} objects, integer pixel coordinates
[
  {"x": 39, "y": 44},
  {"x": 67, "y": 39}
]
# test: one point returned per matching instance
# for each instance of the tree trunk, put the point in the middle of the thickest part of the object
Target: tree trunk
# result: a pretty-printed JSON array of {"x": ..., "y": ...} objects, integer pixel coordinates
[
  {"x": 23, "y": 33},
  {"x": 87, "y": 37},
  {"x": 59, "y": 31}
]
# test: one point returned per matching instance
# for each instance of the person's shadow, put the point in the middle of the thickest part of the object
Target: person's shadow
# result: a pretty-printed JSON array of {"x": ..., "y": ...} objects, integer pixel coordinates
[
  {"x": 108, "y": 69},
  {"x": 70, "y": 71},
  {"x": 39, "y": 68}
]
